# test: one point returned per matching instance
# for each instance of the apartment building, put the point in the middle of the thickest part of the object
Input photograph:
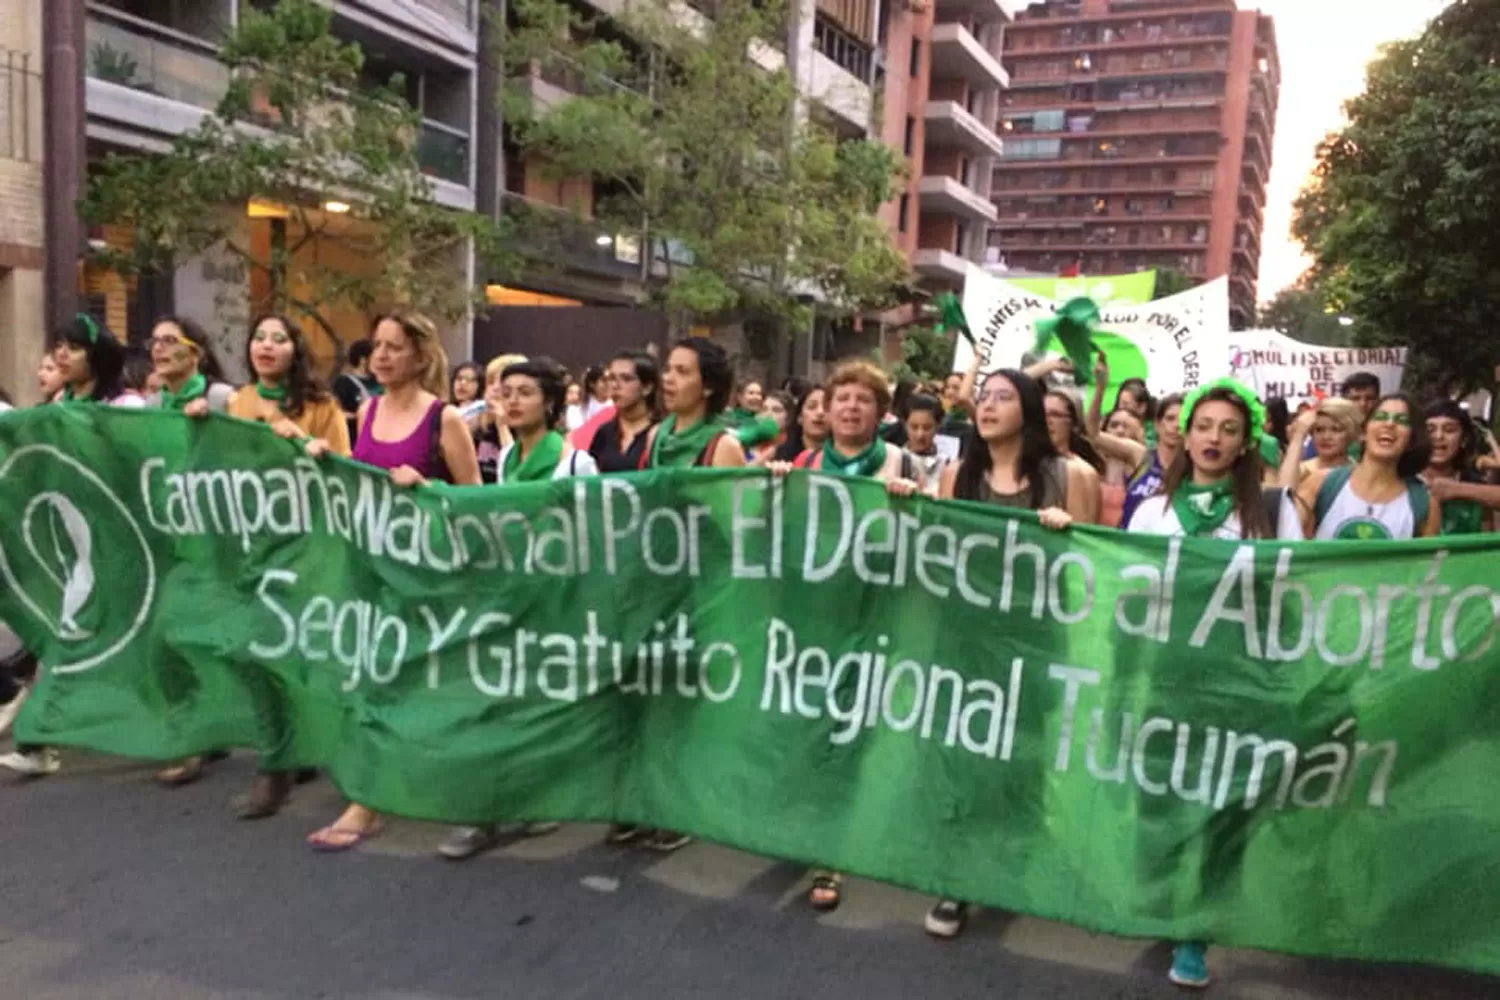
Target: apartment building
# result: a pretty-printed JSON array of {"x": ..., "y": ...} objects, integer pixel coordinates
[
  {"x": 21, "y": 260},
  {"x": 152, "y": 73},
  {"x": 1137, "y": 135}
]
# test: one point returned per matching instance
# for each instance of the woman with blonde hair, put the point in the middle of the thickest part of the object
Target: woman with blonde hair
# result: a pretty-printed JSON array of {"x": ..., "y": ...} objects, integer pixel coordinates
[
  {"x": 1334, "y": 424},
  {"x": 411, "y": 431}
]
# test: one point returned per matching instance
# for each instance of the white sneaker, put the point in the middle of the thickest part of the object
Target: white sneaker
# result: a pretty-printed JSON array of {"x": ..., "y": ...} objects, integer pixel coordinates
[
  {"x": 34, "y": 764},
  {"x": 11, "y": 709}
]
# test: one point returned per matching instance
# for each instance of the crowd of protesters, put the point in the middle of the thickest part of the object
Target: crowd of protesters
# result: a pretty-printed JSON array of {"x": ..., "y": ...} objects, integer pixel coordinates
[{"x": 1371, "y": 464}]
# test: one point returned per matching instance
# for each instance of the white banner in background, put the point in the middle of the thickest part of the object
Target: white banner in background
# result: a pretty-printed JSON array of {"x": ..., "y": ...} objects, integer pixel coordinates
[
  {"x": 1174, "y": 343},
  {"x": 1274, "y": 364}
]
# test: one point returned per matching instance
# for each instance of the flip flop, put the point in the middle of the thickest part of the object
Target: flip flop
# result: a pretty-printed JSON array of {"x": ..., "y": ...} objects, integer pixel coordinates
[
  {"x": 319, "y": 841},
  {"x": 184, "y": 772}
]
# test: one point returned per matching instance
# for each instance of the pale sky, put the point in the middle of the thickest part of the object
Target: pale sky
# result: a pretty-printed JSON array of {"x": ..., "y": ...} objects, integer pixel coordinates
[{"x": 1324, "y": 46}]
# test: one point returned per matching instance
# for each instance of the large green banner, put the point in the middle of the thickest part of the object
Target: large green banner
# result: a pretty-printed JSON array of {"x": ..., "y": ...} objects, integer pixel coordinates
[{"x": 1292, "y": 747}]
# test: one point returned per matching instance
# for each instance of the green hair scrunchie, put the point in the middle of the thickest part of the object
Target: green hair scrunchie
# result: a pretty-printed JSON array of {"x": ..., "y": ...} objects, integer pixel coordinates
[{"x": 1257, "y": 428}]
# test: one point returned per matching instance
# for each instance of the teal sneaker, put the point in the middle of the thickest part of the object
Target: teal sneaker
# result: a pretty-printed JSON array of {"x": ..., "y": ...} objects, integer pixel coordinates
[{"x": 1190, "y": 965}]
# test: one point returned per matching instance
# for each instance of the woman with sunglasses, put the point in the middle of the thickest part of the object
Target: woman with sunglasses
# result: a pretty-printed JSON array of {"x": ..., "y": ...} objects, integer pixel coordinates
[{"x": 1381, "y": 496}]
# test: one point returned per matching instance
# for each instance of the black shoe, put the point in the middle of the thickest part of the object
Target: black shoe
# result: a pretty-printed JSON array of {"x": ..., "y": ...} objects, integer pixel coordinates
[
  {"x": 624, "y": 833},
  {"x": 667, "y": 841},
  {"x": 946, "y": 919}
]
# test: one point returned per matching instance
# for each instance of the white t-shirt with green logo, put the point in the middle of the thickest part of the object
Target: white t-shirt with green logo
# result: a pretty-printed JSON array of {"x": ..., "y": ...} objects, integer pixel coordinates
[{"x": 1351, "y": 518}]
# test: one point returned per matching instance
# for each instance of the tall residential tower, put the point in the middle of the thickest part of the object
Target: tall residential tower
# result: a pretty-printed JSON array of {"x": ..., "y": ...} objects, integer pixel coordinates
[{"x": 1137, "y": 135}]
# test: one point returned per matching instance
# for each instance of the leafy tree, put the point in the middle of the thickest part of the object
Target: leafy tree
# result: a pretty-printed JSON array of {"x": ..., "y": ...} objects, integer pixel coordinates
[
  {"x": 1304, "y": 311},
  {"x": 926, "y": 354},
  {"x": 298, "y": 127},
  {"x": 1402, "y": 216},
  {"x": 1170, "y": 281},
  {"x": 753, "y": 209}
]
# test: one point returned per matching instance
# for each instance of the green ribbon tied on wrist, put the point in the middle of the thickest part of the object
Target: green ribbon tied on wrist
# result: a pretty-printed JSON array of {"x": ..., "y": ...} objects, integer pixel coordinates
[{"x": 1074, "y": 327}]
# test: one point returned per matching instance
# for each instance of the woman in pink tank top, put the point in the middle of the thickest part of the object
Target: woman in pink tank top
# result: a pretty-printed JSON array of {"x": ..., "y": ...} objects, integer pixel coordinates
[{"x": 411, "y": 432}]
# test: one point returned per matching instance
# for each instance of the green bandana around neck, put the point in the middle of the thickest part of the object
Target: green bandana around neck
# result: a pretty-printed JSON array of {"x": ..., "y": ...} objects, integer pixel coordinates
[
  {"x": 275, "y": 393},
  {"x": 676, "y": 449},
  {"x": 1201, "y": 510},
  {"x": 739, "y": 417},
  {"x": 538, "y": 465},
  {"x": 192, "y": 389},
  {"x": 866, "y": 463},
  {"x": 68, "y": 397}
]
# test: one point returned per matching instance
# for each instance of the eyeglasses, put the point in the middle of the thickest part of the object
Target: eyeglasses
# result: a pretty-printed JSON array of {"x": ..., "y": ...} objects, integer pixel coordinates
[
  {"x": 995, "y": 396},
  {"x": 1059, "y": 415},
  {"x": 1389, "y": 417},
  {"x": 172, "y": 340}
]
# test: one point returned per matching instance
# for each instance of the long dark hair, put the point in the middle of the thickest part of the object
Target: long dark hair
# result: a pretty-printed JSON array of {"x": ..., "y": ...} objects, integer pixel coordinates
[
  {"x": 1246, "y": 474},
  {"x": 795, "y": 444},
  {"x": 1281, "y": 418},
  {"x": 1036, "y": 445},
  {"x": 467, "y": 366},
  {"x": 649, "y": 374},
  {"x": 1468, "y": 442},
  {"x": 105, "y": 353},
  {"x": 552, "y": 379},
  {"x": 1418, "y": 447},
  {"x": 1077, "y": 443},
  {"x": 208, "y": 361},
  {"x": 300, "y": 385}
]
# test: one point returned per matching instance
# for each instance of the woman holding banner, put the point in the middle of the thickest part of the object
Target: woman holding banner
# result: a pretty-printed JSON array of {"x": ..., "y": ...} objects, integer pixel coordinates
[
  {"x": 1381, "y": 497},
  {"x": 1014, "y": 462},
  {"x": 284, "y": 396},
  {"x": 1333, "y": 424},
  {"x": 192, "y": 381},
  {"x": 411, "y": 431},
  {"x": 534, "y": 396},
  {"x": 858, "y": 395},
  {"x": 1212, "y": 489}
]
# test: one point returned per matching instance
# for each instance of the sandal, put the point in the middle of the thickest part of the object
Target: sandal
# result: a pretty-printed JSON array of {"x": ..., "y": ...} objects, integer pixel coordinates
[
  {"x": 824, "y": 894},
  {"x": 184, "y": 772},
  {"x": 336, "y": 839}
]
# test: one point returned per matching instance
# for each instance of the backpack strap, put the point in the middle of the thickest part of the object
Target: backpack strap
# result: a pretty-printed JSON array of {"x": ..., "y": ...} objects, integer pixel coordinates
[
  {"x": 573, "y": 463},
  {"x": 908, "y": 466},
  {"x": 1421, "y": 504},
  {"x": 645, "y": 459},
  {"x": 1335, "y": 481},
  {"x": 809, "y": 459},
  {"x": 437, "y": 465},
  {"x": 706, "y": 457}
]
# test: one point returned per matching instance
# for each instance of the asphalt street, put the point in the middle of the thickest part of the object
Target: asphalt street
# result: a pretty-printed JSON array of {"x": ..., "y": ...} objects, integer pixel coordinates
[{"x": 114, "y": 888}]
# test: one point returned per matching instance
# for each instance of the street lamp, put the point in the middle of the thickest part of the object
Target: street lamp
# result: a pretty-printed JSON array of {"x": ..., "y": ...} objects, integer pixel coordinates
[{"x": 1346, "y": 321}]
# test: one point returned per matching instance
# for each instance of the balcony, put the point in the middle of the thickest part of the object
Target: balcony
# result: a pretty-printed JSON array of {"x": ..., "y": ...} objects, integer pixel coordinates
[
  {"x": 940, "y": 265},
  {"x": 153, "y": 60},
  {"x": 956, "y": 53},
  {"x": 949, "y": 124},
  {"x": 458, "y": 11},
  {"x": 847, "y": 97},
  {"x": 983, "y": 11},
  {"x": 554, "y": 236},
  {"x": 948, "y": 195}
]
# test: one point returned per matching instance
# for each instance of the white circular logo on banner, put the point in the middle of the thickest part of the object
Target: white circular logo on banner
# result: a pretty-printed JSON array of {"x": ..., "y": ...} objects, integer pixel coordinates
[{"x": 59, "y": 545}]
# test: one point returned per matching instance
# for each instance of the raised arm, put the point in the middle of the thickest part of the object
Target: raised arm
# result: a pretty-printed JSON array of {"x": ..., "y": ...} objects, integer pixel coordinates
[{"x": 1291, "y": 463}]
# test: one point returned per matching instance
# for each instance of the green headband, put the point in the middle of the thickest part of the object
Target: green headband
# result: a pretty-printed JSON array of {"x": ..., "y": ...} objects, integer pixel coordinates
[
  {"x": 89, "y": 326},
  {"x": 1257, "y": 427}
]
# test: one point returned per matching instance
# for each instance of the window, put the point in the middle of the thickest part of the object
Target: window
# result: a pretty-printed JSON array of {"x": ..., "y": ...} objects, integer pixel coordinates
[
  {"x": 1048, "y": 121},
  {"x": 901, "y": 208},
  {"x": 1033, "y": 149},
  {"x": 911, "y": 134},
  {"x": 916, "y": 57},
  {"x": 960, "y": 237}
]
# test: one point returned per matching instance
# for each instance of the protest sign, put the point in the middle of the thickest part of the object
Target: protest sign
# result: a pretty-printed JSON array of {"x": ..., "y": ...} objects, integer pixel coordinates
[
  {"x": 1265, "y": 744},
  {"x": 1135, "y": 288},
  {"x": 1274, "y": 364}
]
